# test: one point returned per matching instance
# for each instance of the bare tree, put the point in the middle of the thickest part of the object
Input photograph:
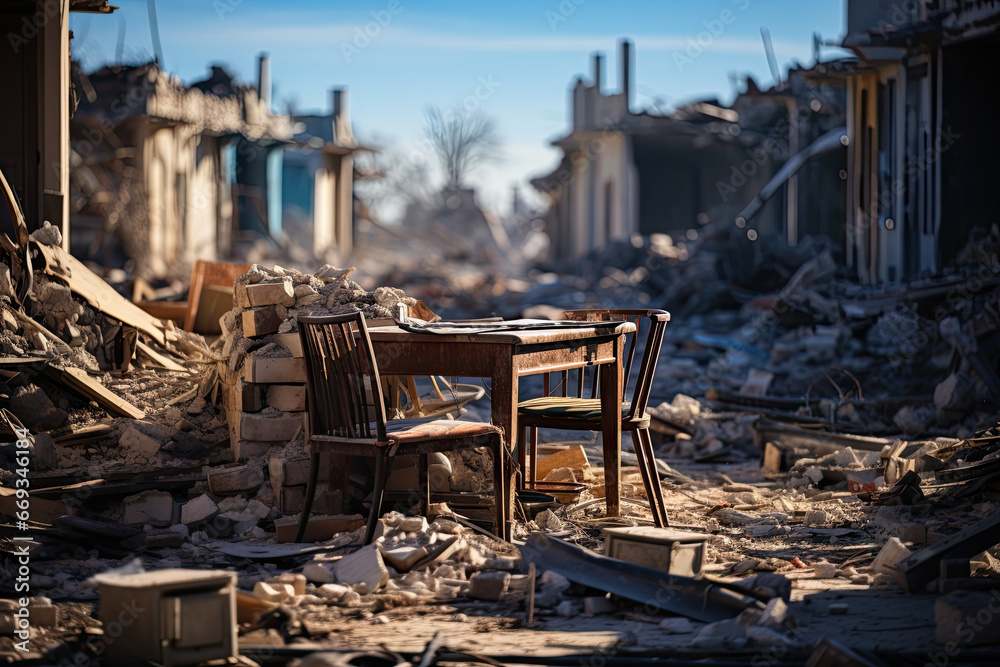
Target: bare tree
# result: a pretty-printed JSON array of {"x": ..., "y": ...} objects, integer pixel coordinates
[{"x": 461, "y": 140}]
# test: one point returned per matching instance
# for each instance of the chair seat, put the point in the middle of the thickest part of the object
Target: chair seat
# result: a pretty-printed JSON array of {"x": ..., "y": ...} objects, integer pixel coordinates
[
  {"x": 405, "y": 431},
  {"x": 565, "y": 407}
]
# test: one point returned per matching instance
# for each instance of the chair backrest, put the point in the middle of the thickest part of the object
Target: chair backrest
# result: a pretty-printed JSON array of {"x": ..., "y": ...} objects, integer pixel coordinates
[
  {"x": 343, "y": 388},
  {"x": 650, "y": 325}
]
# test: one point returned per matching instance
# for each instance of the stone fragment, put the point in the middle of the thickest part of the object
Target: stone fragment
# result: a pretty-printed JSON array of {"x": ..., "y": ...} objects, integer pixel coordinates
[
  {"x": 893, "y": 552},
  {"x": 273, "y": 592},
  {"x": 318, "y": 573},
  {"x": 296, "y": 581},
  {"x": 568, "y": 609},
  {"x": 364, "y": 566},
  {"x": 155, "y": 508},
  {"x": 489, "y": 585}
]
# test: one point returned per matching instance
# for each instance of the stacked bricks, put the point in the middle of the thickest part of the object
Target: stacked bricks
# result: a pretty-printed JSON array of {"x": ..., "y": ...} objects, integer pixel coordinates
[{"x": 263, "y": 370}]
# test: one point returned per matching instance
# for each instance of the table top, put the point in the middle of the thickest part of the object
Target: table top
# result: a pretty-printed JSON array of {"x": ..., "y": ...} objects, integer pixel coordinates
[{"x": 394, "y": 334}]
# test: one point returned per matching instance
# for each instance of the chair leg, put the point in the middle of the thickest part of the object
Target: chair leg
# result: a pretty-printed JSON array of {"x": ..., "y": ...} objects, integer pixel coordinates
[
  {"x": 310, "y": 495},
  {"x": 381, "y": 474},
  {"x": 425, "y": 483},
  {"x": 654, "y": 491},
  {"x": 533, "y": 445},
  {"x": 522, "y": 457},
  {"x": 501, "y": 491}
]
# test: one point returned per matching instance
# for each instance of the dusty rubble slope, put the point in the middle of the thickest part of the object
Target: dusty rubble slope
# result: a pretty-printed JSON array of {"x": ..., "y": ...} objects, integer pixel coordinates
[{"x": 820, "y": 434}]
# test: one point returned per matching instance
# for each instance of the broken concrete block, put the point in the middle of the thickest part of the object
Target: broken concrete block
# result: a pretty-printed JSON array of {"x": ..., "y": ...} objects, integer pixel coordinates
[
  {"x": 274, "y": 370},
  {"x": 291, "y": 499},
  {"x": 287, "y": 397},
  {"x": 318, "y": 573},
  {"x": 138, "y": 442},
  {"x": 291, "y": 342},
  {"x": 568, "y": 609},
  {"x": 967, "y": 618},
  {"x": 364, "y": 566},
  {"x": 198, "y": 509},
  {"x": 332, "y": 592},
  {"x": 824, "y": 570},
  {"x": 273, "y": 592},
  {"x": 260, "y": 321},
  {"x": 953, "y": 397},
  {"x": 412, "y": 524},
  {"x": 228, "y": 481},
  {"x": 288, "y": 472},
  {"x": 271, "y": 294},
  {"x": 296, "y": 581},
  {"x": 893, "y": 552},
  {"x": 815, "y": 518},
  {"x": 403, "y": 558},
  {"x": 155, "y": 508},
  {"x": 489, "y": 585},
  {"x": 244, "y": 450},
  {"x": 269, "y": 428},
  {"x": 596, "y": 605}
]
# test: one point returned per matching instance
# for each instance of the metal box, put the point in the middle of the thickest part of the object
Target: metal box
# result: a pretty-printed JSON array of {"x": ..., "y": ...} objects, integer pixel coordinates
[
  {"x": 169, "y": 617},
  {"x": 672, "y": 551}
]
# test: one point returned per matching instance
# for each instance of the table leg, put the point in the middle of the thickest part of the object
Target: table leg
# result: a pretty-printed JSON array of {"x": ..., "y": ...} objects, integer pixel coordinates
[
  {"x": 503, "y": 412},
  {"x": 611, "y": 401}
]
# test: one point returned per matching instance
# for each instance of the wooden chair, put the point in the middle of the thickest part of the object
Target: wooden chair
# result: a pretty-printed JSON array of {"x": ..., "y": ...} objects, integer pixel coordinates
[
  {"x": 207, "y": 275},
  {"x": 347, "y": 415},
  {"x": 584, "y": 414}
]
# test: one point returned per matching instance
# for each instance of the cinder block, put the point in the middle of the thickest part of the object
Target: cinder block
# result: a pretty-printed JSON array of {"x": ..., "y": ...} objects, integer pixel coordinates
[
  {"x": 268, "y": 428},
  {"x": 271, "y": 294},
  {"x": 252, "y": 397},
  {"x": 288, "y": 472},
  {"x": 287, "y": 397},
  {"x": 275, "y": 370},
  {"x": 291, "y": 342},
  {"x": 261, "y": 321},
  {"x": 489, "y": 585}
]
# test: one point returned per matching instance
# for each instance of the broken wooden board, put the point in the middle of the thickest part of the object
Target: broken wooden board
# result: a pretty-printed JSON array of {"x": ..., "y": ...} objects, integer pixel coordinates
[
  {"x": 15, "y": 211},
  {"x": 924, "y": 566},
  {"x": 42, "y": 511},
  {"x": 98, "y": 293},
  {"x": 79, "y": 381},
  {"x": 160, "y": 360}
]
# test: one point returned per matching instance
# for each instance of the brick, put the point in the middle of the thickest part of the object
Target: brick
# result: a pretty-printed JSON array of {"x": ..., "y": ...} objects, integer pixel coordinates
[
  {"x": 271, "y": 294},
  {"x": 261, "y": 321},
  {"x": 364, "y": 566},
  {"x": 291, "y": 342},
  {"x": 275, "y": 370},
  {"x": 489, "y": 585},
  {"x": 43, "y": 615},
  {"x": 267, "y": 428},
  {"x": 287, "y": 397},
  {"x": 240, "y": 296}
]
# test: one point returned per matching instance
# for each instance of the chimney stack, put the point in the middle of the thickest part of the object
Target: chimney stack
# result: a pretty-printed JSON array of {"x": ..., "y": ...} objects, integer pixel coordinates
[
  {"x": 598, "y": 68},
  {"x": 626, "y": 62},
  {"x": 264, "y": 79}
]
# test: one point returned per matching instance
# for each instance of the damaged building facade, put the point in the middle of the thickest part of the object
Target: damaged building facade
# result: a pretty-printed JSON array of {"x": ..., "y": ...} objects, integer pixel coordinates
[
  {"x": 200, "y": 171},
  {"x": 645, "y": 172},
  {"x": 920, "y": 126}
]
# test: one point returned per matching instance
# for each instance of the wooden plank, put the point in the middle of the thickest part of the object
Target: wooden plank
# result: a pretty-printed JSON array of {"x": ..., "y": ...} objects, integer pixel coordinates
[
  {"x": 160, "y": 360},
  {"x": 79, "y": 381},
  {"x": 42, "y": 511},
  {"x": 98, "y": 293},
  {"x": 15, "y": 211}
]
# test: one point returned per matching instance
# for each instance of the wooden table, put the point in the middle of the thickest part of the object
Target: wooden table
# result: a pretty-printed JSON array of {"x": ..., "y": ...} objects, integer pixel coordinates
[{"x": 505, "y": 356}]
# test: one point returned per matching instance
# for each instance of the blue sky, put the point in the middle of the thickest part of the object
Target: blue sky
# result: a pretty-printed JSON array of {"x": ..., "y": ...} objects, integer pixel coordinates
[{"x": 522, "y": 56}]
